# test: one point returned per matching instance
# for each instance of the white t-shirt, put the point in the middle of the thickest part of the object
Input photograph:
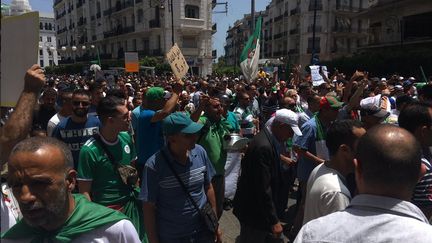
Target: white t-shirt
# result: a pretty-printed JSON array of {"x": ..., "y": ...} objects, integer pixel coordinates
[
  {"x": 121, "y": 232},
  {"x": 326, "y": 193},
  {"x": 53, "y": 122}
]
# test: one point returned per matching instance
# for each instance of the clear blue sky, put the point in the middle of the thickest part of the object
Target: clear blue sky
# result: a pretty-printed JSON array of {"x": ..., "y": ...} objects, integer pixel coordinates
[{"x": 236, "y": 10}]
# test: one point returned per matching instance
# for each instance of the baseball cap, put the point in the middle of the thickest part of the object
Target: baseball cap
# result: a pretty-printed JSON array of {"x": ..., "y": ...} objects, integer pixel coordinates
[
  {"x": 288, "y": 117},
  {"x": 128, "y": 84},
  {"x": 155, "y": 93},
  {"x": 407, "y": 83},
  {"x": 179, "y": 122},
  {"x": 330, "y": 101},
  {"x": 373, "y": 106}
]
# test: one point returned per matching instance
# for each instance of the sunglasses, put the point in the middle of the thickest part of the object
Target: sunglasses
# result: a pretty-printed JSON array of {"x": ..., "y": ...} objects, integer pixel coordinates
[{"x": 83, "y": 103}]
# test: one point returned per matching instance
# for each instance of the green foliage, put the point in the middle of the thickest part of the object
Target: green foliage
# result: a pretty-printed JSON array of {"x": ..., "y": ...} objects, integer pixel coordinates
[
  {"x": 221, "y": 68},
  {"x": 386, "y": 61}
]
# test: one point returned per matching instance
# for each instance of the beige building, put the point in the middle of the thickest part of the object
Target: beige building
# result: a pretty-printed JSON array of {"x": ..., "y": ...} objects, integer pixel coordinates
[
  {"x": 398, "y": 23},
  {"x": 112, "y": 27},
  {"x": 288, "y": 29}
]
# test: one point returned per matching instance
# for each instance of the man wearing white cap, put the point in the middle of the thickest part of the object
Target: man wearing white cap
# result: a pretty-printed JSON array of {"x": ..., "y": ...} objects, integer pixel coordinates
[
  {"x": 256, "y": 199},
  {"x": 374, "y": 110}
]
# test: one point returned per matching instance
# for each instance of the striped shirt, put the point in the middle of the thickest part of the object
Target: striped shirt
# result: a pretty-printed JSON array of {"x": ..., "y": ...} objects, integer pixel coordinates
[{"x": 423, "y": 191}]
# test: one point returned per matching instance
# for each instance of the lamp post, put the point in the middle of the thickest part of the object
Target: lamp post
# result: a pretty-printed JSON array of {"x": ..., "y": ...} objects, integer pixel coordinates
[
  {"x": 313, "y": 57},
  {"x": 74, "y": 48}
]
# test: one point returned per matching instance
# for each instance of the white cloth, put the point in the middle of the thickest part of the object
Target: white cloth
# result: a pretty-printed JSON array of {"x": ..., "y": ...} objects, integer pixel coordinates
[
  {"x": 53, "y": 122},
  {"x": 326, "y": 193},
  {"x": 232, "y": 172},
  {"x": 10, "y": 212},
  {"x": 121, "y": 232}
]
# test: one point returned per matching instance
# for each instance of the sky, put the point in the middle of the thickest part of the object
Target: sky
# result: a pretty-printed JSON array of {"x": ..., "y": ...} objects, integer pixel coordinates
[{"x": 236, "y": 10}]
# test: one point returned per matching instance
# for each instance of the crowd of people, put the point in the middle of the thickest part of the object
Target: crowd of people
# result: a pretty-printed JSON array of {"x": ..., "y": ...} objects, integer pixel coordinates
[{"x": 134, "y": 158}]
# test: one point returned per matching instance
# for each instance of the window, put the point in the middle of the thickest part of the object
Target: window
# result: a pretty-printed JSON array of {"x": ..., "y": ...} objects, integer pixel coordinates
[
  {"x": 40, "y": 25},
  {"x": 310, "y": 45},
  {"x": 146, "y": 45},
  {"x": 50, "y": 26},
  {"x": 49, "y": 38},
  {"x": 189, "y": 42},
  {"x": 192, "y": 11},
  {"x": 41, "y": 63},
  {"x": 40, "y": 52},
  {"x": 134, "y": 45},
  {"x": 140, "y": 15},
  {"x": 46, "y": 26},
  {"x": 40, "y": 38}
]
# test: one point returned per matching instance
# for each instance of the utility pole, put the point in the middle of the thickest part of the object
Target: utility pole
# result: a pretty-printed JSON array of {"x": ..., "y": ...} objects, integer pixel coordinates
[
  {"x": 313, "y": 32},
  {"x": 252, "y": 16},
  {"x": 172, "y": 22}
]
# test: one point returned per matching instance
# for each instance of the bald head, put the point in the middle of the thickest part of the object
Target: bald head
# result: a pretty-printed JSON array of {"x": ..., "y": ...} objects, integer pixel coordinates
[{"x": 389, "y": 157}]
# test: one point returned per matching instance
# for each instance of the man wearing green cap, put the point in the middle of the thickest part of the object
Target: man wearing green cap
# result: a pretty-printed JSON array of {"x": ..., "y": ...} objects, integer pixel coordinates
[
  {"x": 311, "y": 147},
  {"x": 170, "y": 214},
  {"x": 42, "y": 177},
  {"x": 147, "y": 124}
]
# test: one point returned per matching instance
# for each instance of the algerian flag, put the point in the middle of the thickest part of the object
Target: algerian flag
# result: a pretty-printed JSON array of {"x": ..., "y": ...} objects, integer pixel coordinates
[{"x": 250, "y": 54}]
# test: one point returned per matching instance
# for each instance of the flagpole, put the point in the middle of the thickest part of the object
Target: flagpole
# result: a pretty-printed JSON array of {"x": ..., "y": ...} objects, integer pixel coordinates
[{"x": 252, "y": 16}]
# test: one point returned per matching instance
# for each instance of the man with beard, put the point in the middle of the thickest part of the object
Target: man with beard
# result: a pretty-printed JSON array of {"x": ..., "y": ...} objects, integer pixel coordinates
[
  {"x": 79, "y": 127},
  {"x": 42, "y": 178},
  {"x": 101, "y": 155}
]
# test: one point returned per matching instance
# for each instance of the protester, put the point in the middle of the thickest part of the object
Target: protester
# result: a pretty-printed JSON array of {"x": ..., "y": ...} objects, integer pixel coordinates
[
  {"x": 417, "y": 119},
  {"x": 255, "y": 202},
  {"x": 79, "y": 127},
  {"x": 382, "y": 211},
  {"x": 46, "y": 109},
  {"x": 42, "y": 177},
  {"x": 248, "y": 123},
  {"x": 171, "y": 216},
  {"x": 100, "y": 158},
  {"x": 66, "y": 109},
  {"x": 327, "y": 187}
]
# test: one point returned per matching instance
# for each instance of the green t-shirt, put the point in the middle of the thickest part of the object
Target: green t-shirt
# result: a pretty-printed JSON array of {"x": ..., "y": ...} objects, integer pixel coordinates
[
  {"x": 107, "y": 186},
  {"x": 212, "y": 141}
]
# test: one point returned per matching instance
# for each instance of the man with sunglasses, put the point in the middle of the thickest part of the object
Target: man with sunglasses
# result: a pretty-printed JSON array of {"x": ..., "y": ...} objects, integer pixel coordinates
[{"x": 79, "y": 127}]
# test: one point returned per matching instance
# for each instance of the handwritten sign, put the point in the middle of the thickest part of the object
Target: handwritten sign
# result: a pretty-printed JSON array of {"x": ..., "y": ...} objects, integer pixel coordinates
[
  {"x": 131, "y": 62},
  {"x": 177, "y": 62},
  {"x": 317, "y": 79},
  {"x": 19, "y": 41}
]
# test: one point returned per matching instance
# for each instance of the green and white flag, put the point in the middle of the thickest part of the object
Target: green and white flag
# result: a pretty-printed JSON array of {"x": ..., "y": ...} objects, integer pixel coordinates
[{"x": 250, "y": 54}]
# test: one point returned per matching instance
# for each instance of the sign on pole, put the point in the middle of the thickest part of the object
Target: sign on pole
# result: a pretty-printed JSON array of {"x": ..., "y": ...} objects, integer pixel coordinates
[
  {"x": 177, "y": 62},
  {"x": 317, "y": 79},
  {"x": 19, "y": 41},
  {"x": 131, "y": 62}
]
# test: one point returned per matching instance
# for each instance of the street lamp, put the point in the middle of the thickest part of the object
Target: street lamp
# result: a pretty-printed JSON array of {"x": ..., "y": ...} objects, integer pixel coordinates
[{"x": 74, "y": 48}]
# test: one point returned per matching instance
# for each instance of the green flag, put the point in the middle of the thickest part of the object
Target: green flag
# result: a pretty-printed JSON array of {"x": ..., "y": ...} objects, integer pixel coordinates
[{"x": 250, "y": 54}]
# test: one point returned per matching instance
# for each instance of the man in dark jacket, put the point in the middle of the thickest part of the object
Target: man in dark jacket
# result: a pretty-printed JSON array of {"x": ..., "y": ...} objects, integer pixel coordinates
[{"x": 255, "y": 203}]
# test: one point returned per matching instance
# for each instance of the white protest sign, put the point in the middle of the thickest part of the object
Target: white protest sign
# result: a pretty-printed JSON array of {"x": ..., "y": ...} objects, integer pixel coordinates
[
  {"x": 177, "y": 62},
  {"x": 19, "y": 41},
  {"x": 317, "y": 79}
]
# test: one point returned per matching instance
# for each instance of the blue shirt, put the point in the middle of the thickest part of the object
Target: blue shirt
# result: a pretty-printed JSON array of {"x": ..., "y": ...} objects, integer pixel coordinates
[
  {"x": 149, "y": 136},
  {"x": 76, "y": 134},
  {"x": 306, "y": 142},
  {"x": 175, "y": 215}
]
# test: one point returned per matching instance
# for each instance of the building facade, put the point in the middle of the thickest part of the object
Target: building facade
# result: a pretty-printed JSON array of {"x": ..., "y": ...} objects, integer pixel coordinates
[
  {"x": 396, "y": 23},
  {"x": 112, "y": 27},
  {"x": 237, "y": 36},
  {"x": 48, "y": 54},
  {"x": 288, "y": 29}
]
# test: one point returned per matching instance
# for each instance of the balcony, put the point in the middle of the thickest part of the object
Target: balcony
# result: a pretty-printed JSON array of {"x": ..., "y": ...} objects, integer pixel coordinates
[
  {"x": 190, "y": 24},
  {"x": 342, "y": 29},
  {"x": 56, "y": 2},
  {"x": 154, "y": 23},
  {"x": 294, "y": 31},
  {"x": 80, "y": 3},
  {"x": 214, "y": 28},
  {"x": 278, "y": 18},
  {"x": 317, "y": 50},
  {"x": 293, "y": 51},
  {"x": 312, "y": 6},
  {"x": 295, "y": 11},
  {"x": 61, "y": 30},
  {"x": 119, "y": 31},
  {"x": 277, "y": 36},
  {"x": 60, "y": 15},
  {"x": 82, "y": 21},
  {"x": 318, "y": 28},
  {"x": 123, "y": 5},
  {"x": 156, "y": 52},
  {"x": 191, "y": 51},
  {"x": 107, "y": 12},
  {"x": 346, "y": 8}
]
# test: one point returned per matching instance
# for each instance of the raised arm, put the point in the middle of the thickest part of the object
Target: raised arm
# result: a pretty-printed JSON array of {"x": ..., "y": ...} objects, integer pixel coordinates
[{"x": 18, "y": 125}]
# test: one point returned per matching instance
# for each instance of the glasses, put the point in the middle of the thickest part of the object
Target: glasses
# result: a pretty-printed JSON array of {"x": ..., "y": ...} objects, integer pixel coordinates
[{"x": 82, "y": 103}]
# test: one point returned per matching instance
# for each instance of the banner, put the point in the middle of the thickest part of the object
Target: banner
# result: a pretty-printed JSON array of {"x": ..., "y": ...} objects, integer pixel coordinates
[
  {"x": 250, "y": 54},
  {"x": 20, "y": 42},
  {"x": 177, "y": 62},
  {"x": 317, "y": 79},
  {"x": 131, "y": 62}
]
